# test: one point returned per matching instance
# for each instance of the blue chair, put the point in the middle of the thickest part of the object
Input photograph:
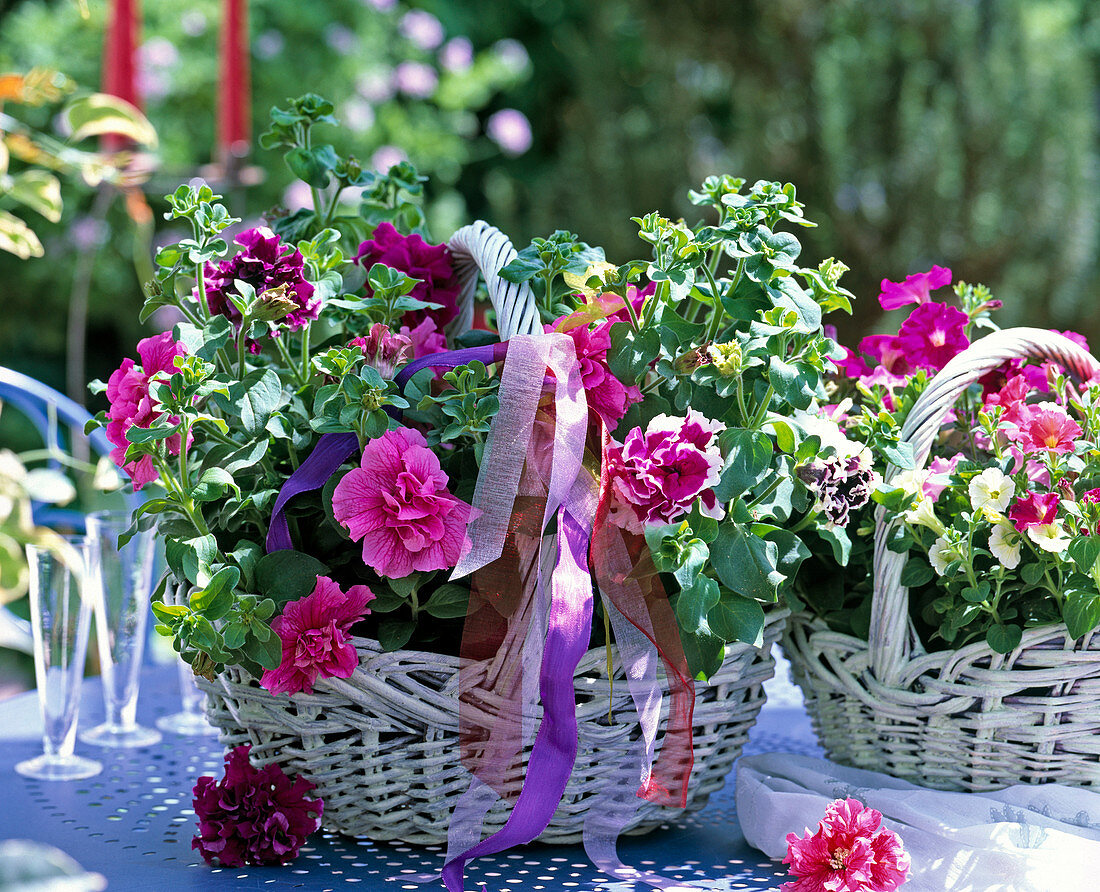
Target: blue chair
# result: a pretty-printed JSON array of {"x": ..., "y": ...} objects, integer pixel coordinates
[{"x": 51, "y": 413}]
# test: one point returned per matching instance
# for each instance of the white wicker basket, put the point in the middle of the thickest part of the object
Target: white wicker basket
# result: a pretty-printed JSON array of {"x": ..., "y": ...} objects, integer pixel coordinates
[
  {"x": 966, "y": 719},
  {"x": 382, "y": 746}
]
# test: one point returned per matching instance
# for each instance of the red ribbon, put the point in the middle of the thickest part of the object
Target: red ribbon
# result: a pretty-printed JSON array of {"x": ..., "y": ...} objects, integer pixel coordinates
[{"x": 625, "y": 574}]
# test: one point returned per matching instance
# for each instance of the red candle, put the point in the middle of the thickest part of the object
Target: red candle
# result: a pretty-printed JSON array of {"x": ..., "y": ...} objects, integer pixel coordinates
[
  {"x": 120, "y": 59},
  {"x": 233, "y": 98}
]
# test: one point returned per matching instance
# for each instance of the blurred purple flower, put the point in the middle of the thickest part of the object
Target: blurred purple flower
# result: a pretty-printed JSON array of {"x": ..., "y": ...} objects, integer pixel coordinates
[
  {"x": 193, "y": 23},
  {"x": 386, "y": 157},
  {"x": 415, "y": 79},
  {"x": 512, "y": 53},
  {"x": 457, "y": 54},
  {"x": 357, "y": 114},
  {"x": 153, "y": 84},
  {"x": 375, "y": 86},
  {"x": 159, "y": 52},
  {"x": 510, "y": 130},
  {"x": 88, "y": 232},
  {"x": 422, "y": 28},
  {"x": 382, "y": 5},
  {"x": 297, "y": 196},
  {"x": 341, "y": 39},
  {"x": 268, "y": 44}
]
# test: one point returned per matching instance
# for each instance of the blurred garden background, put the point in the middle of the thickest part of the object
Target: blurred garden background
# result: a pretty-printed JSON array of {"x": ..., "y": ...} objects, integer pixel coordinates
[{"x": 953, "y": 132}]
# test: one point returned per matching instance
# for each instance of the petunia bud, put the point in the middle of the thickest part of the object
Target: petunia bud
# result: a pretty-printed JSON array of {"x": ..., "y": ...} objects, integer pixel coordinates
[
  {"x": 726, "y": 358},
  {"x": 688, "y": 362},
  {"x": 273, "y": 305}
]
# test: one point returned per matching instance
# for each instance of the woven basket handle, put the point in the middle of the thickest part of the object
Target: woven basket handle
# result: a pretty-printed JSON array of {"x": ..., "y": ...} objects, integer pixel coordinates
[
  {"x": 890, "y": 635},
  {"x": 481, "y": 248}
]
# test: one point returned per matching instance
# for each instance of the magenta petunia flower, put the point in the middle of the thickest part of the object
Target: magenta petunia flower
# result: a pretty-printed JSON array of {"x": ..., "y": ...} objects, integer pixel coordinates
[
  {"x": 426, "y": 338},
  {"x": 657, "y": 476},
  {"x": 933, "y": 335},
  {"x": 264, "y": 263},
  {"x": 253, "y": 815},
  {"x": 1048, "y": 428},
  {"x": 939, "y": 474},
  {"x": 849, "y": 852},
  {"x": 383, "y": 349},
  {"x": 410, "y": 254},
  {"x": 1034, "y": 510},
  {"x": 607, "y": 396},
  {"x": 132, "y": 405},
  {"x": 915, "y": 289},
  {"x": 1012, "y": 398},
  {"x": 398, "y": 504},
  {"x": 887, "y": 351},
  {"x": 315, "y": 632}
]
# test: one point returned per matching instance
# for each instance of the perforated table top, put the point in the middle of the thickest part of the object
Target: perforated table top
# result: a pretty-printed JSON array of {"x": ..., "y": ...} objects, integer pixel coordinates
[{"x": 134, "y": 822}]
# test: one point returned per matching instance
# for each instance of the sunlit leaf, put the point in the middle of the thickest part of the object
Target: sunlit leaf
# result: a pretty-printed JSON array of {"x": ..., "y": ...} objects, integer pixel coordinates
[
  {"x": 40, "y": 191},
  {"x": 17, "y": 238},
  {"x": 98, "y": 113}
]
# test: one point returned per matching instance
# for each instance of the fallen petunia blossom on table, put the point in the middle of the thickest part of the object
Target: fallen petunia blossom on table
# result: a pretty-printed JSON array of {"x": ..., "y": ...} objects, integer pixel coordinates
[
  {"x": 849, "y": 852},
  {"x": 255, "y": 816}
]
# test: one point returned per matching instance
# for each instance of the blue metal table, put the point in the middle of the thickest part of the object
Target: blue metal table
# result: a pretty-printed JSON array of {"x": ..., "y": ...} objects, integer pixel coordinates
[{"x": 133, "y": 823}]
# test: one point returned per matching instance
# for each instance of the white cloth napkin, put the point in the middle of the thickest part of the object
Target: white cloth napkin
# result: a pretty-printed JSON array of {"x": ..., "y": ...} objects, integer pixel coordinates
[{"x": 1022, "y": 839}]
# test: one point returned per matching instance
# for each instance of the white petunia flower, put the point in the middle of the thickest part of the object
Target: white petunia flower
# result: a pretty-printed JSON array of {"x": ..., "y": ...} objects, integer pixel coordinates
[
  {"x": 1049, "y": 537},
  {"x": 924, "y": 514},
  {"x": 991, "y": 488},
  {"x": 1005, "y": 543},
  {"x": 941, "y": 554}
]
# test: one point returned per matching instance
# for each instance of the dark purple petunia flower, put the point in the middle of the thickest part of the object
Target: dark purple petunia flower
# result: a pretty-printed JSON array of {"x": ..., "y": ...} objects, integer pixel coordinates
[
  {"x": 255, "y": 816},
  {"x": 264, "y": 263}
]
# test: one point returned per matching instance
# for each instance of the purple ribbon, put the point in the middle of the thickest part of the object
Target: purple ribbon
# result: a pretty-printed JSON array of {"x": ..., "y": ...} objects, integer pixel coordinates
[
  {"x": 555, "y": 748},
  {"x": 333, "y": 449},
  {"x": 329, "y": 453}
]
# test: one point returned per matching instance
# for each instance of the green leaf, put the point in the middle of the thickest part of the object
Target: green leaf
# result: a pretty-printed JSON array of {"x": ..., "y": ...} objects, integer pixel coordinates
[
  {"x": 288, "y": 575},
  {"x": 900, "y": 456},
  {"x": 312, "y": 165},
  {"x": 221, "y": 584},
  {"x": 394, "y": 634},
  {"x": 917, "y": 572},
  {"x": 98, "y": 113},
  {"x": 735, "y": 618},
  {"x": 1004, "y": 639},
  {"x": 693, "y": 604},
  {"x": 212, "y": 485},
  {"x": 705, "y": 653},
  {"x": 1084, "y": 551},
  {"x": 149, "y": 434},
  {"x": 268, "y": 654},
  {"x": 38, "y": 190},
  {"x": 786, "y": 437},
  {"x": 746, "y": 563},
  {"x": 1081, "y": 612},
  {"x": 748, "y": 461},
  {"x": 253, "y": 400},
  {"x": 631, "y": 353},
  {"x": 792, "y": 382},
  {"x": 448, "y": 602}
]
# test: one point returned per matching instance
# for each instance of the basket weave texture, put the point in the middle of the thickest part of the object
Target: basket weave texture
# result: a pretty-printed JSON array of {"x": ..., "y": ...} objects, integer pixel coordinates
[
  {"x": 382, "y": 746},
  {"x": 966, "y": 719}
]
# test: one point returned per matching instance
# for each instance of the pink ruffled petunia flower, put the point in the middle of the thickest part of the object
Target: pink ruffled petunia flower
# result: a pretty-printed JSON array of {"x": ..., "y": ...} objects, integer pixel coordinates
[
  {"x": 1048, "y": 428},
  {"x": 315, "y": 632},
  {"x": 410, "y": 254},
  {"x": 849, "y": 852},
  {"x": 933, "y": 335},
  {"x": 915, "y": 289},
  {"x": 657, "y": 476},
  {"x": 398, "y": 504},
  {"x": 939, "y": 475},
  {"x": 383, "y": 349},
  {"x": 1033, "y": 510},
  {"x": 607, "y": 396},
  {"x": 253, "y": 815},
  {"x": 426, "y": 338},
  {"x": 132, "y": 405}
]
